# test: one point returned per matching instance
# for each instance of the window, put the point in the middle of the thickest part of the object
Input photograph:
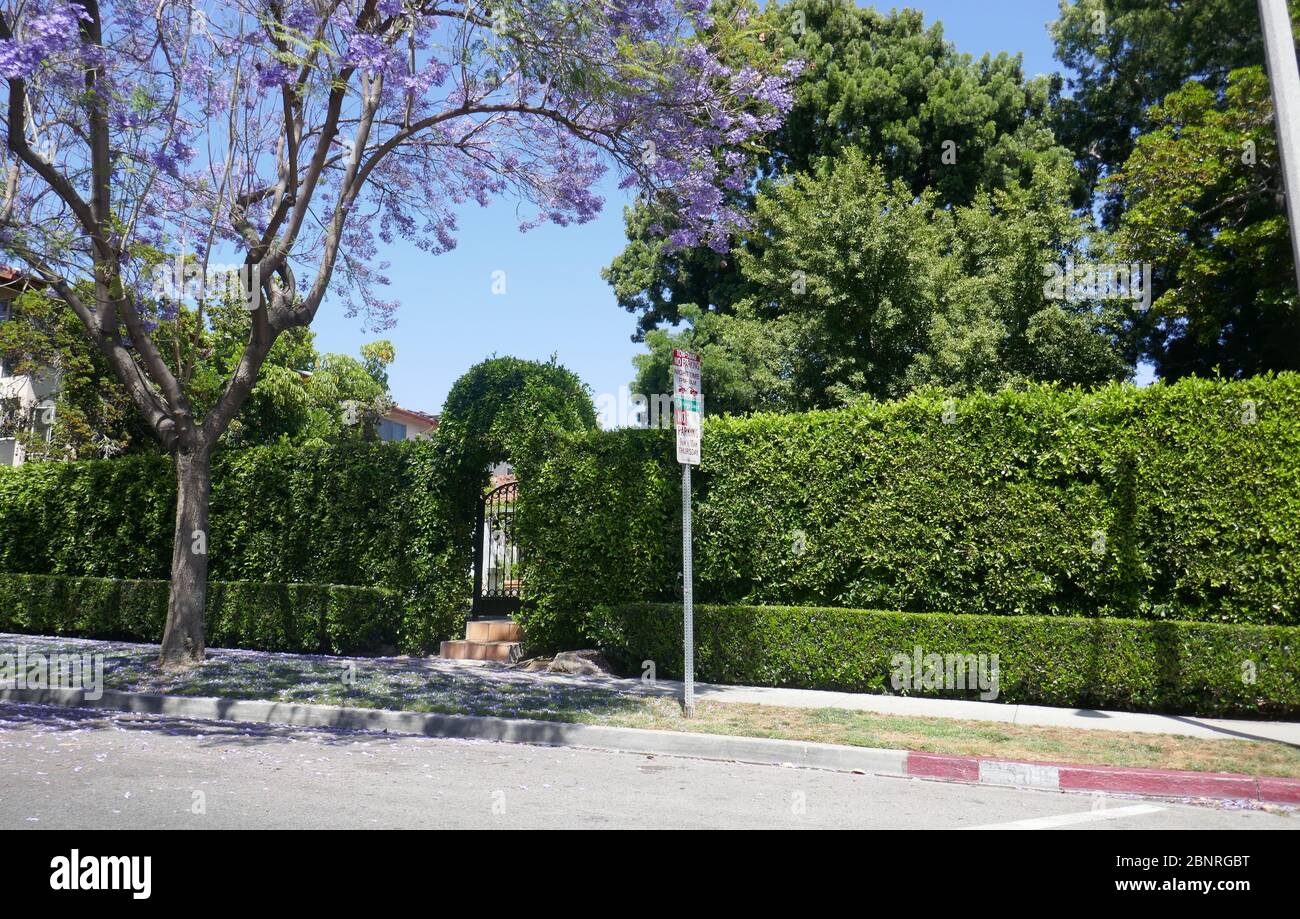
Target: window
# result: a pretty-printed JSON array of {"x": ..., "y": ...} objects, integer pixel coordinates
[{"x": 391, "y": 430}]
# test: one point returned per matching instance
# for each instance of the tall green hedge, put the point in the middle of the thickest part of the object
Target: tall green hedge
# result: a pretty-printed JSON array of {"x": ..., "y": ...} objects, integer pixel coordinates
[
  {"x": 396, "y": 516},
  {"x": 301, "y": 618},
  {"x": 1173, "y": 502},
  {"x": 1177, "y": 502},
  {"x": 375, "y": 515},
  {"x": 600, "y": 522},
  {"x": 1168, "y": 666}
]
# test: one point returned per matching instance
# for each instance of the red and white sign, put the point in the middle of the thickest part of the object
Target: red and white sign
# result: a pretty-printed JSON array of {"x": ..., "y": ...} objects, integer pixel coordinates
[{"x": 688, "y": 405}]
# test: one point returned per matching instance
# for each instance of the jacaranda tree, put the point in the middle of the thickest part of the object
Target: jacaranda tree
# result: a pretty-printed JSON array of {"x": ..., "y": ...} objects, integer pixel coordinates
[{"x": 290, "y": 139}]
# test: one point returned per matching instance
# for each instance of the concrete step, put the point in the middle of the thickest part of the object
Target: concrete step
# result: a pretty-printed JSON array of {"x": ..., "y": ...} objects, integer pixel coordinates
[
  {"x": 493, "y": 630},
  {"x": 505, "y": 652}
]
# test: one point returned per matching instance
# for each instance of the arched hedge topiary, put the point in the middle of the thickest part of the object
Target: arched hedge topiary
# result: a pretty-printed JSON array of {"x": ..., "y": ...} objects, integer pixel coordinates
[{"x": 507, "y": 409}]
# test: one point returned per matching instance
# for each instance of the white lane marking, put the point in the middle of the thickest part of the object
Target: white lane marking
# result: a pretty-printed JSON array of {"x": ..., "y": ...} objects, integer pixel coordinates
[{"x": 1046, "y": 823}]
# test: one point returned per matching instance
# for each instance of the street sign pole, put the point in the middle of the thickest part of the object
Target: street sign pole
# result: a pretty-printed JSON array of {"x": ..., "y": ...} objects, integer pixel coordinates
[
  {"x": 688, "y": 605},
  {"x": 687, "y": 411}
]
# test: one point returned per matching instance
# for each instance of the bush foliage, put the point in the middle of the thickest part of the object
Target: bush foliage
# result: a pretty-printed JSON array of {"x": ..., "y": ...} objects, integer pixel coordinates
[
  {"x": 1177, "y": 503},
  {"x": 398, "y": 516},
  {"x": 301, "y": 618},
  {"x": 599, "y": 522},
  {"x": 371, "y": 515},
  {"x": 1173, "y": 502},
  {"x": 1169, "y": 666}
]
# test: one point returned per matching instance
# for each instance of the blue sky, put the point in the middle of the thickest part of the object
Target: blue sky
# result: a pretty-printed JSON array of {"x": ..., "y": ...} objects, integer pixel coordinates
[{"x": 555, "y": 301}]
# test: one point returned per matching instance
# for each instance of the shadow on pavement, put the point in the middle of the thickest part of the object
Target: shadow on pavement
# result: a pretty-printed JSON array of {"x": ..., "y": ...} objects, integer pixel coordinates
[{"x": 53, "y": 719}]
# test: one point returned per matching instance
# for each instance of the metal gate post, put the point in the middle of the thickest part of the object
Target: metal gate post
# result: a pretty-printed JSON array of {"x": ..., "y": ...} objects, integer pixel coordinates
[{"x": 480, "y": 559}]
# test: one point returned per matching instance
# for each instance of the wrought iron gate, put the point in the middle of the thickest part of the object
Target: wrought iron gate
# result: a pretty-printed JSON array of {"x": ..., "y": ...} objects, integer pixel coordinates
[{"x": 496, "y": 570}]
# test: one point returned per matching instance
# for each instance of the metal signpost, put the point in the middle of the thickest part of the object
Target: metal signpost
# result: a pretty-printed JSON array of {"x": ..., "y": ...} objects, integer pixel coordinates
[
  {"x": 1283, "y": 78},
  {"x": 688, "y": 410}
]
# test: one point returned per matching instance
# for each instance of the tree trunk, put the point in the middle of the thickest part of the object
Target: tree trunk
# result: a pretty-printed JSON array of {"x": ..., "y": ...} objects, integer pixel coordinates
[{"x": 182, "y": 642}]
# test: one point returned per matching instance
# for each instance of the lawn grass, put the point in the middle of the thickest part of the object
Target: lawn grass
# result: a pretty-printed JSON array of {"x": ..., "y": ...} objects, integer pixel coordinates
[{"x": 433, "y": 686}]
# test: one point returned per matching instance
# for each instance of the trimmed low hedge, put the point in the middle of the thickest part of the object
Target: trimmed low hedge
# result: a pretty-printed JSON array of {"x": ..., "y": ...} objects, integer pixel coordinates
[
  {"x": 1171, "y": 502},
  {"x": 300, "y": 618},
  {"x": 1165, "y": 666}
]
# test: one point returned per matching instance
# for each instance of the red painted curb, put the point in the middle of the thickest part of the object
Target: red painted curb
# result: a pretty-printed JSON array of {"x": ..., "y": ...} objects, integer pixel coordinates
[
  {"x": 1165, "y": 783},
  {"x": 1280, "y": 791},
  {"x": 938, "y": 766}
]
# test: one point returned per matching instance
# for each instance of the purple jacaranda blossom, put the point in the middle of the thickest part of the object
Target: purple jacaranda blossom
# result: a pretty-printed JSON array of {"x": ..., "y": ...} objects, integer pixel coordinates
[
  {"x": 45, "y": 37},
  {"x": 274, "y": 74},
  {"x": 416, "y": 112}
]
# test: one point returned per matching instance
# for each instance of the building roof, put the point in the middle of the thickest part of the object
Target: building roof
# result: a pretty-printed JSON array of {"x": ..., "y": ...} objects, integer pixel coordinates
[
  {"x": 14, "y": 281},
  {"x": 412, "y": 415}
]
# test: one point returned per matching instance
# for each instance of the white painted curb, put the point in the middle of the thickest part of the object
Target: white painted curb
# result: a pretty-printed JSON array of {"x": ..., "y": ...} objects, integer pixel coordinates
[{"x": 1020, "y": 775}]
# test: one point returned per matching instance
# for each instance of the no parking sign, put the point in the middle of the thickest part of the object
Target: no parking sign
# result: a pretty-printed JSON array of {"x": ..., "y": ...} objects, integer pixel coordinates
[{"x": 688, "y": 405}]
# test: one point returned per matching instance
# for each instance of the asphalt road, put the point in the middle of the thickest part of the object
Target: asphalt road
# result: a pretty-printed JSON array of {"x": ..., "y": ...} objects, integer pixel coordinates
[{"x": 82, "y": 770}]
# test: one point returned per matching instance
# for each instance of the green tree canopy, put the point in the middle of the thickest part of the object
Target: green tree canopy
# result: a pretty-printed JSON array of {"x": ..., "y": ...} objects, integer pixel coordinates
[
  {"x": 862, "y": 288},
  {"x": 301, "y": 397},
  {"x": 1128, "y": 55},
  {"x": 1204, "y": 204},
  {"x": 92, "y": 417},
  {"x": 935, "y": 119}
]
